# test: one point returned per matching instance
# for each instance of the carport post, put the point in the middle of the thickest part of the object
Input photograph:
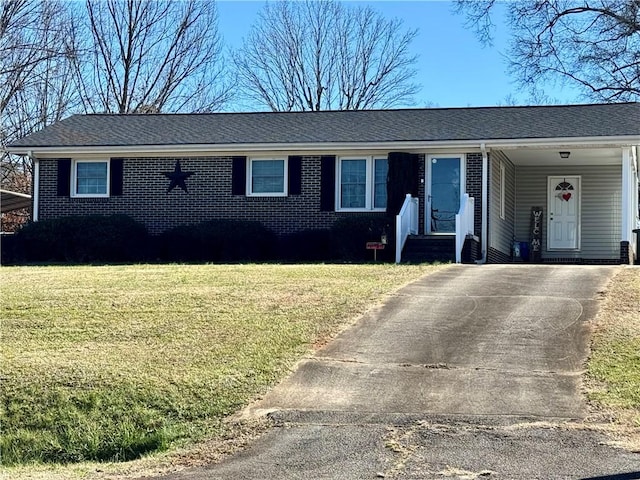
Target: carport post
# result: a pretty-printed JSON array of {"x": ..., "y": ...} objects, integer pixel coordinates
[
  {"x": 485, "y": 202},
  {"x": 627, "y": 191}
]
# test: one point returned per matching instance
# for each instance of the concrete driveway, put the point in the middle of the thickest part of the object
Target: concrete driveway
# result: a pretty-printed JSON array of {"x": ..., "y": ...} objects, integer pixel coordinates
[{"x": 472, "y": 372}]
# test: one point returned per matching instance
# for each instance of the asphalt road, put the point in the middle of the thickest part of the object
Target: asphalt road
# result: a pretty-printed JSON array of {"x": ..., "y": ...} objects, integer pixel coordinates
[{"x": 472, "y": 372}]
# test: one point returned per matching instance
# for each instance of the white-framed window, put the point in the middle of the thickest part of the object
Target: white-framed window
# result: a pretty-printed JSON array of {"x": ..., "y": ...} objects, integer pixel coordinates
[
  {"x": 90, "y": 178},
  {"x": 362, "y": 183},
  {"x": 503, "y": 182},
  {"x": 267, "y": 177}
]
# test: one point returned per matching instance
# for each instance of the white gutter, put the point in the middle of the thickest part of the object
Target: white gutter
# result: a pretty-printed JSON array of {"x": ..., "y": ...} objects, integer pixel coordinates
[
  {"x": 36, "y": 187},
  {"x": 485, "y": 202}
]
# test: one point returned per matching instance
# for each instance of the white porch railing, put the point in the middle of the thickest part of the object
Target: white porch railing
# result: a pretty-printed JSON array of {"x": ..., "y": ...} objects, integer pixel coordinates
[
  {"x": 464, "y": 223},
  {"x": 406, "y": 223}
]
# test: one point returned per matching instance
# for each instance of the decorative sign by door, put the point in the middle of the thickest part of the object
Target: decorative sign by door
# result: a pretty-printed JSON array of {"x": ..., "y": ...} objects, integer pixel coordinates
[{"x": 535, "y": 251}]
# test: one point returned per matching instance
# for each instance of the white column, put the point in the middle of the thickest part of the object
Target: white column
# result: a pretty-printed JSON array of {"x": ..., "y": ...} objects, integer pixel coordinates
[
  {"x": 635, "y": 184},
  {"x": 35, "y": 188},
  {"x": 627, "y": 199},
  {"x": 485, "y": 202},
  {"x": 634, "y": 215}
]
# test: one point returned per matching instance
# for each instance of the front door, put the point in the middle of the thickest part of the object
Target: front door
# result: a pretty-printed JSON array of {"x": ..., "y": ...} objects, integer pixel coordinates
[
  {"x": 563, "y": 205},
  {"x": 445, "y": 174}
]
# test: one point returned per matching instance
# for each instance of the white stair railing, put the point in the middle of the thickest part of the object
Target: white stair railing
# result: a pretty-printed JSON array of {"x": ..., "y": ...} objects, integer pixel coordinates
[
  {"x": 406, "y": 223},
  {"x": 464, "y": 223}
]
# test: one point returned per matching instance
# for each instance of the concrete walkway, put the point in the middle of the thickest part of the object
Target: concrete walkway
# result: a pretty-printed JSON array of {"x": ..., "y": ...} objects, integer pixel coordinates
[{"x": 472, "y": 372}]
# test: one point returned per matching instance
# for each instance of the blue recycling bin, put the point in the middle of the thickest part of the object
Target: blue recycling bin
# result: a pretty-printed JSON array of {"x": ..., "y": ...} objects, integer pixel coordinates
[{"x": 524, "y": 251}]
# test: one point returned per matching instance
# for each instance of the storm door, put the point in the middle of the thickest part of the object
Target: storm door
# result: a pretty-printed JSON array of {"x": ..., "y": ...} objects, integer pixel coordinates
[{"x": 445, "y": 175}]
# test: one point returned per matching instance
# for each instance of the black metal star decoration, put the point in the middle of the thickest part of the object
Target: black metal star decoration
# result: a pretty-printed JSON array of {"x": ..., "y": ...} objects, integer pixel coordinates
[{"x": 177, "y": 177}]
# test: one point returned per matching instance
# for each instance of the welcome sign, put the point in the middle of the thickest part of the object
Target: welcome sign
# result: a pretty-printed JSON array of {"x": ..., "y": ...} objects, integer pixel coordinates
[{"x": 536, "y": 235}]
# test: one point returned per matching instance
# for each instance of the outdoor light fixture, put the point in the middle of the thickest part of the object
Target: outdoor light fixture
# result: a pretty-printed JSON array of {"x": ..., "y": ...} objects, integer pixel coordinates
[{"x": 564, "y": 154}]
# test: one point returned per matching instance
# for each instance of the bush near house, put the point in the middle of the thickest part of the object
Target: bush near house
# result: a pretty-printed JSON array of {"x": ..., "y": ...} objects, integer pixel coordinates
[
  {"x": 349, "y": 236},
  {"x": 120, "y": 239},
  {"x": 312, "y": 245},
  {"x": 218, "y": 241},
  {"x": 80, "y": 239},
  {"x": 230, "y": 241}
]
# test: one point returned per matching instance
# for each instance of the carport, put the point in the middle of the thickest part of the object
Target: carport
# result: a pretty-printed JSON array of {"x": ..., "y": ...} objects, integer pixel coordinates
[{"x": 10, "y": 201}]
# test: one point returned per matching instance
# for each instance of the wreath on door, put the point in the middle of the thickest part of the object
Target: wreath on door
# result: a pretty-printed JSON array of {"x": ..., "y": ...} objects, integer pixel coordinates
[{"x": 564, "y": 190}]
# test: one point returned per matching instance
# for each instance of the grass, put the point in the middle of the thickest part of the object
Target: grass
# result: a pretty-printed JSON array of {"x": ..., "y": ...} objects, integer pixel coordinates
[
  {"x": 613, "y": 370},
  {"x": 111, "y": 363},
  {"x": 117, "y": 362}
]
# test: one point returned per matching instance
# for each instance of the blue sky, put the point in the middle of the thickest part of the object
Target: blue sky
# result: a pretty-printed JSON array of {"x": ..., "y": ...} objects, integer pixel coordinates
[{"x": 454, "y": 69}]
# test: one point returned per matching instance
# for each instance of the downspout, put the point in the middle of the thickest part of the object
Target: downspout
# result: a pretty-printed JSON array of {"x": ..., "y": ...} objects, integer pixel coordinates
[
  {"x": 36, "y": 186},
  {"x": 485, "y": 202}
]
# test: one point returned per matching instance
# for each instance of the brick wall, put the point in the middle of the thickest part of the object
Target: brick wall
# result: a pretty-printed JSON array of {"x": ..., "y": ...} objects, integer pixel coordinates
[
  {"x": 422, "y": 193},
  {"x": 626, "y": 255},
  {"x": 146, "y": 200},
  {"x": 474, "y": 188},
  {"x": 145, "y": 196},
  {"x": 471, "y": 251}
]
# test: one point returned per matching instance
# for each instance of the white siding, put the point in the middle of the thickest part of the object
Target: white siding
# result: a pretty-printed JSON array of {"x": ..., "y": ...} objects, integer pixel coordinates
[
  {"x": 600, "y": 207},
  {"x": 501, "y": 231}
]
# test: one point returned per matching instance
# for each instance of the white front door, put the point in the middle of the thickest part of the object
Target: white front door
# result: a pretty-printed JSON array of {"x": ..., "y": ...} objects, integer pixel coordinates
[
  {"x": 563, "y": 206},
  {"x": 445, "y": 175}
]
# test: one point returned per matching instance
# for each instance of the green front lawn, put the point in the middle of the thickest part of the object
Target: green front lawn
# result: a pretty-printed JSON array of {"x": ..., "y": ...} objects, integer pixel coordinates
[
  {"x": 614, "y": 366},
  {"x": 112, "y": 362}
]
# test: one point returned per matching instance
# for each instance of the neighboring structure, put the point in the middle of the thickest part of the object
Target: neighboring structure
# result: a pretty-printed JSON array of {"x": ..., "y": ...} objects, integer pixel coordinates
[
  {"x": 295, "y": 171},
  {"x": 10, "y": 201},
  {"x": 15, "y": 210}
]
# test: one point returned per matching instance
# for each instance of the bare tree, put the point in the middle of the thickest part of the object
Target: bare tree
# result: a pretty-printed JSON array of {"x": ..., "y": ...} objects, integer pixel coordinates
[
  {"x": 594, "y": 45},
  {"x": 36, "y": 46},
  {"x": 40, "y": 89},
  {"x": 321, "y": 55},
  {"x": 37, "y": 43},
  {"x": 152, "y": 55}
]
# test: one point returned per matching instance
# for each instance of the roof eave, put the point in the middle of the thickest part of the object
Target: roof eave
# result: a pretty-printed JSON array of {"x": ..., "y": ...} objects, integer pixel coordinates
[{"x": 310, "y": 148}]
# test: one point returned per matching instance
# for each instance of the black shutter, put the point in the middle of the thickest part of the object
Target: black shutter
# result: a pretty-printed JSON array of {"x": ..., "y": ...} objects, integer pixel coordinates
[
  {"x": 414, "y": 178},
  {"x": 295, "y": 175},
  {"x": 239, "y": 176},
  {"x": 64, "y": 177},
  {"x": 403, "y": 178},
  {"x": 115, "y": 173},
  {"x": 328, "y": 183}
]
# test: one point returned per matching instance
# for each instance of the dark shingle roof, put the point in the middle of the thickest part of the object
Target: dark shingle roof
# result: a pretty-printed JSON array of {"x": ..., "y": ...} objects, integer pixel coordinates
[{"x": 437, "y": 124}]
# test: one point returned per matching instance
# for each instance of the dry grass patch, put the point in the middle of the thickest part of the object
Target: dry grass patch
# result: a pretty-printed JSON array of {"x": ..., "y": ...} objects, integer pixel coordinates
[
  {"x": 613, "y": 375},
  {"x": 111, "y": 363}
]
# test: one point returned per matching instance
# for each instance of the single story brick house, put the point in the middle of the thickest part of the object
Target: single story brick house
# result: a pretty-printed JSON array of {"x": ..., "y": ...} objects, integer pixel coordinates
[{"x": 564, "y": 178}]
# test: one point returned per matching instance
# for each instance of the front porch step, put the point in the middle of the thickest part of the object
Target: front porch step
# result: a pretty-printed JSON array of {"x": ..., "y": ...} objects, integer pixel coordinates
[{"x": 429, "y": 248}]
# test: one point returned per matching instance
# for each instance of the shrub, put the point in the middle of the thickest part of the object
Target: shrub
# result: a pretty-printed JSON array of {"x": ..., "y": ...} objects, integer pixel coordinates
[
  {"x": 217, "y": 241},
  {"x": 306, "y": 246},
  {"x": 8, "y": 249},
  {"x": 349, "y": 236},
  {"x": 82, "y": 239}
]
